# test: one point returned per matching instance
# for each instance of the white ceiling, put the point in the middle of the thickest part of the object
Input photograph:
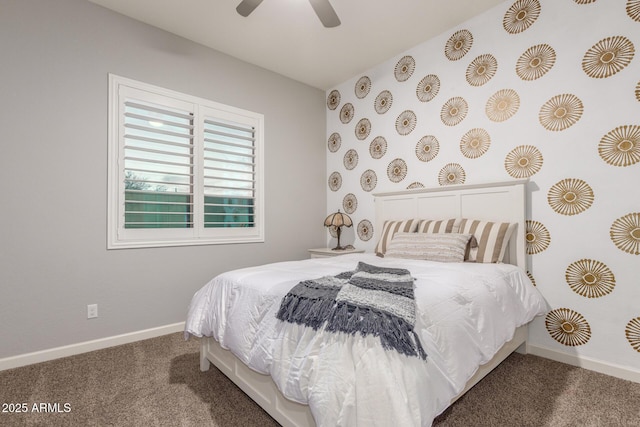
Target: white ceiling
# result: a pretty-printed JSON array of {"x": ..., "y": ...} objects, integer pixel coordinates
[{"x": 285, "y": 36}]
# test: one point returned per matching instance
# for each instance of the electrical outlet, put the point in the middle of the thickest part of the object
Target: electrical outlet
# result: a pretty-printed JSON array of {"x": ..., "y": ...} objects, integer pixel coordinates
[{"x": 92, "y": 311}]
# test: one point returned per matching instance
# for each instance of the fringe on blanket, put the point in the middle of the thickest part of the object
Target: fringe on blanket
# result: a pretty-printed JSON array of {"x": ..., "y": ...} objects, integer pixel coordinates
[{"x": 370, "y": 301}]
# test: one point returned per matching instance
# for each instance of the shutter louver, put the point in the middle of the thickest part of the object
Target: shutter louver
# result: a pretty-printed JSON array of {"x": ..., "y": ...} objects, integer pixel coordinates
[
  {"x": 229, "y": 174},
  {"x": 158, "y": 166}
]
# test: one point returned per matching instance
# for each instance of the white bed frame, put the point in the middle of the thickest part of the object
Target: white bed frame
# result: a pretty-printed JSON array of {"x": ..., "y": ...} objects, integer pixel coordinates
[{"x": 500, "y": 201}]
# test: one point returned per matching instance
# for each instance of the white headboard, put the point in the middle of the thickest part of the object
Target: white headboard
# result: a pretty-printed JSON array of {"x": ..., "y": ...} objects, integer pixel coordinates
[{"x": 496, "y": 201}]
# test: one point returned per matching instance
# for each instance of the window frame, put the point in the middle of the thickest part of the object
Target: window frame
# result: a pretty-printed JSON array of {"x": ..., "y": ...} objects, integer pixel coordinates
[{"x": 119, "y": 237}]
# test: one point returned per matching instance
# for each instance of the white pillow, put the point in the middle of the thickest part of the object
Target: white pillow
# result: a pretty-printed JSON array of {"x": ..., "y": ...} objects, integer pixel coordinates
[{"x": 442, "y": 247}]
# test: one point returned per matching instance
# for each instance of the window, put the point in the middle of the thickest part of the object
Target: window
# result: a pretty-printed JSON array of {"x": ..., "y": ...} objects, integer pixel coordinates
[{"x": 182, "y": 170}]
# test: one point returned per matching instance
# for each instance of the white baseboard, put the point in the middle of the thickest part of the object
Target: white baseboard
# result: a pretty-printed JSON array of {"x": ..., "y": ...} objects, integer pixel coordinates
[
  {"x": 618, "y": 371},
  {"x": 87, "y": 346}
]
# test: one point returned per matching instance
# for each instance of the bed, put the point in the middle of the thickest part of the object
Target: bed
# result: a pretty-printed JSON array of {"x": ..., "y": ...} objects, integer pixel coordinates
[{"x": 306, "y": 376}]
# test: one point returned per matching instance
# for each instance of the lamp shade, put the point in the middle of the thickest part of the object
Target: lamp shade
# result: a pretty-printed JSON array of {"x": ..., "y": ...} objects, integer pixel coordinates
[{"x": 338, "y": 219}]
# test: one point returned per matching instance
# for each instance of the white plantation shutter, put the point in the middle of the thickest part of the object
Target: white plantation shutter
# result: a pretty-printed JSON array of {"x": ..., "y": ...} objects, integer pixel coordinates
[
  {"x": 158, "y": 166},
  {"x": 229, "y": 173},
  {"x": 182, "y": 170}
]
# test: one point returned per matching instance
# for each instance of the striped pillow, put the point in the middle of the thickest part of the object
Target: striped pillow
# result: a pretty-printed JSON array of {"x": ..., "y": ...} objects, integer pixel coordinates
[
  {"x": 492, "y": 239},
  {"x": 389, "y": 228},
  {"x": 438, "y": 226},
  {"x": 442, "y": 247}
]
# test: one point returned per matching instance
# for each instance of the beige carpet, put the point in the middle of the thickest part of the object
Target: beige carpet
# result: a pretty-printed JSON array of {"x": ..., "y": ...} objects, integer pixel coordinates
[
  {"x": 532, "y": 391},
  {"x": 157, "y": 382}
]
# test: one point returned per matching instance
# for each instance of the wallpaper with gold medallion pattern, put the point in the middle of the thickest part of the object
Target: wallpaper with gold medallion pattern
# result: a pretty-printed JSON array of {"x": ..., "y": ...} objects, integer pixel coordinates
[{"x": 542, "y": 89}]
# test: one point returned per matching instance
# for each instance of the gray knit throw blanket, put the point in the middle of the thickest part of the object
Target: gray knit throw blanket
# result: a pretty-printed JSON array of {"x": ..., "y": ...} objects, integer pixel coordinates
[{"x": 371, "y": 300}]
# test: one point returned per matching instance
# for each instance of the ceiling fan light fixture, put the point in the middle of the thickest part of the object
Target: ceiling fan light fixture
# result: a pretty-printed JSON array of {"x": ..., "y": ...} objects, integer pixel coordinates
[
  {"x": 247, "y": 6},
  {"x": 325, "y": 12},
  {"x": 323, "y": 9}
]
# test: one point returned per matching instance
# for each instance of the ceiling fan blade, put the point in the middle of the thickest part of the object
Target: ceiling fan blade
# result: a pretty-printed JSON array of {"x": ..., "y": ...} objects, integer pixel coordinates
[
  {"x": 325, "y": 12},
  {"x": 247, "y": 6}
]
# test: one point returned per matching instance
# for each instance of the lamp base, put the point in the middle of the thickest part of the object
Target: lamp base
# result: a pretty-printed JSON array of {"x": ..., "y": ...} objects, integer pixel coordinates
[{"x": 339, "y": 248}]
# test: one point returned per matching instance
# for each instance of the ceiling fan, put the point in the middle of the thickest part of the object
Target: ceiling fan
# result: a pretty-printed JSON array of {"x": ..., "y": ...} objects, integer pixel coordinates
[{"x": 323, "y": 9}]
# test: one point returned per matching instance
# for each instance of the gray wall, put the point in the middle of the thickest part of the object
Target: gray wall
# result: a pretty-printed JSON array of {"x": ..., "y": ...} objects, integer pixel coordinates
[{"x": 55, "y": 58}]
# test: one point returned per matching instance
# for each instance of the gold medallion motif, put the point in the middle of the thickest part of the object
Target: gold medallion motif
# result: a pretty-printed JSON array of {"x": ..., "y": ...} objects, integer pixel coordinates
[
  {"x": 333, "y": 100},
  {"x": 428, "y": 88},
  {"x": 590, "y": 278},
  {"x": 458, "y": 45},
  {"x": 383, "y": 102},
  {"x": 427, "y": 148},
  {"x": 346, "y": 113},
  {"x": 633, "y": 9},
  {"x": 363, "y": 86},
  {"x": 607, "y": 57},
  {"x": 481, "y": 70},
  {"x": 568, "y": 327},
  {"x": 406, "y": 122},
  {"x": 350, "y": 160},
  {"x": 625, "y": 233},
  {"x": 365, "y": 230},
  {"x": 632, "y": 332},
  {"x": 621, "y": 146},
  {"x": 535, "y": 62},
  {"x": 452, "y": 173},
  {"x": 378, "y": 147},
  {"x": 363, "y": 128},
  {"x": 570, "y": 196},
  {"x": 397, "y": 170},
  {"x": 475, "y": 143},
  {"x": 334, "y": 142},
  {"x": 350, "y": 203},
  {"x": 502, "y": 105},
  {"x": 454, "y": 111},
  {"x": 523, "y": 161},
  {"x": 415, "y": 184},
  {"x": 404, "y": 68},
  {"x": 521, "y": 15},
  {"x": 537, "y": 237},
  {"x": 368, "y": 180},
  {"x": 561, "y": 112},
  {"x": 335, "y": 181}
]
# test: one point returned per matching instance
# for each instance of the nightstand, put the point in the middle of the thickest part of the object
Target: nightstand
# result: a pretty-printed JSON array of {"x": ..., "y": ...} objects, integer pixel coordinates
[{"x": 328, "y": 252}]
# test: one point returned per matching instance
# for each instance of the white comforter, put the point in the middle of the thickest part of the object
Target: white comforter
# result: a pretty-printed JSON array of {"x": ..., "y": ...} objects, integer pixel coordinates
[{"x": 465, "y": 313}]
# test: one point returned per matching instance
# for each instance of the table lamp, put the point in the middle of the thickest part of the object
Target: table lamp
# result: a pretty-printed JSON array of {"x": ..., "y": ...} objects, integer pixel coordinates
[{"x": 338, "y": 220}]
